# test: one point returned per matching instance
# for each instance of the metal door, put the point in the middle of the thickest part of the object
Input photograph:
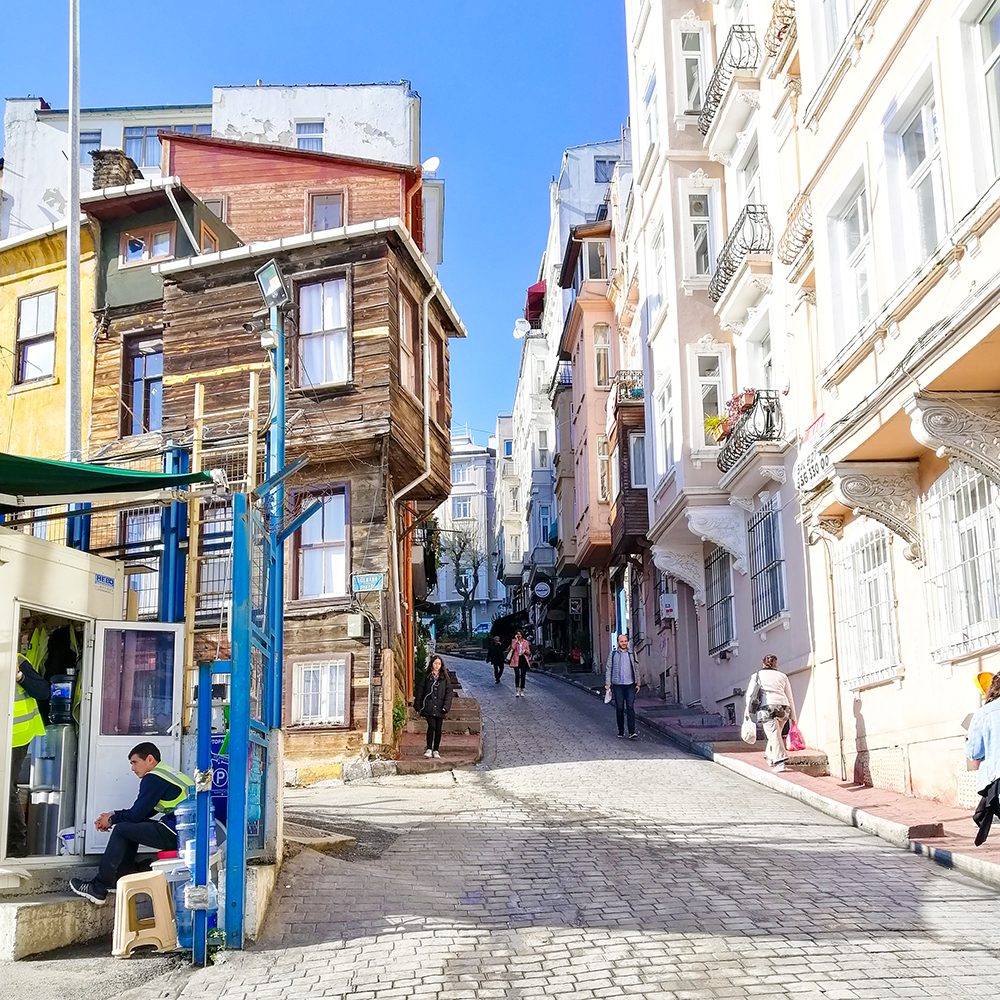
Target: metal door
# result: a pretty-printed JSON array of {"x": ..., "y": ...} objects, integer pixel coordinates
[{"x": 138, "y": 689}]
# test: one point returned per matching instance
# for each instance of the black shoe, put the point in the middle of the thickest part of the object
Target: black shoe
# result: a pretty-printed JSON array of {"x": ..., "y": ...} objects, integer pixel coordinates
[
  {"x": 91, "y": 891},
  {"x": 633, "y": 736},
  {"x": 621, "y": 736}
]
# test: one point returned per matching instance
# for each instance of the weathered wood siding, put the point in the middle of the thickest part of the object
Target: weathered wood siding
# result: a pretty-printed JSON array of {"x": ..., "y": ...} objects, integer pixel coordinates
[{"x": 630, "y": 511}]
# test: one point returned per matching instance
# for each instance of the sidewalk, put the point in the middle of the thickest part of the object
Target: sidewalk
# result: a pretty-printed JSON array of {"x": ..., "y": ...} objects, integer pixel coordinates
[{"x": 945, "y": 834}]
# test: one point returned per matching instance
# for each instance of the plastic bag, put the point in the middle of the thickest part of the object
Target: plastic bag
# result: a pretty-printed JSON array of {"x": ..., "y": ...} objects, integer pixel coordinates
[
  {"x": 608, "y": 697},
  {"x": 748, "y": 731},
  {"x": 794, "y": 740}
]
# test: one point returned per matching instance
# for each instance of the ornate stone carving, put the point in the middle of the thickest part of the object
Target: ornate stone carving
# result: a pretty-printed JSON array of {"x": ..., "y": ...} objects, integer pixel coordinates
[
  {"x": 707, "y": 342},
  {"x": 726, "y": 161},
  {"x": 962, "y": 425},
  {"x": 698, "y": 178},
  {"x": 884, "y": 491},
  {"x": 761, "y": 281},
  {"x": 725, "y": 526},
  {"x": 775, "y": 472},
  {"x": 686, "y": 562},
  {"x": 746, "y": 503},
  {"x": 749, "y": 97},
  {"x": 690, "y": 21},
  {"x": 736, "y": 328}
]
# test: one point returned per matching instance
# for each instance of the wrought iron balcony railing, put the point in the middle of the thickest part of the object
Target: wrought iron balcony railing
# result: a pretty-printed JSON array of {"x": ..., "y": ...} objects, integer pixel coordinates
[
  {"x": 782, "y": 23},
  {"x": 741, "y": 52},
  {"x": 761, "y": 421},
  {"x": 751, "y": 235},
  {"x": 629, "y": 387},
  {"x": 563, "y": 378},
  {"x": 798, "y": 232}
]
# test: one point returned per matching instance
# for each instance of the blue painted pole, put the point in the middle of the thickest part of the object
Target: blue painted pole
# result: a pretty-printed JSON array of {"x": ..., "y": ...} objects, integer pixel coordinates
[
  {"x": 239, "y": 726},
  {"x": 203, "y": 806},
  {"x": 173, "y": 521},
  {"x": 79, "y": 527},
  {"x": 276, "y": 584}
]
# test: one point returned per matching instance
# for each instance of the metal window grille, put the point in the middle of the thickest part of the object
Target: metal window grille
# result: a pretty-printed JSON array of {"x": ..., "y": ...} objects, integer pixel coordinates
[
  {"x": 215, "y": 563},
  {"x": 719, "y": 600},
  {"x": 866, "y": 607},
  {"x": 321, "y": 693},
  {"x": 767, "y": 564},
  {"x": 960, "y": 533}
]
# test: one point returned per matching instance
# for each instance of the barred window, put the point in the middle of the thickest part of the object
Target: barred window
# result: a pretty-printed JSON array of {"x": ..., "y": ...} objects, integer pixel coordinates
[
  {"x": 767, "y": 563},
  {"x": 215, "y": 563},
  {"x": 960, "y": 532},
  {"x": 866, "y": 608},
  {"x": 719, "y": 600}
]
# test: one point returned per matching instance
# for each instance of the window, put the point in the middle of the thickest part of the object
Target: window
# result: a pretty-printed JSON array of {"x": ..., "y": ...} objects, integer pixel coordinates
[
  {"x": 920, "y": 158},
  {"x": 439, "y": 398},
  {"x": 700, "y": 233},
  {"x": 764, "y": 361},
  {"x": 650, "y": 119},
  {"x": 142, "y": 143},
  {"x": 508, "y": 447},
  {"x": 711, "y": 394},
  {"x": 323, "y": 557},
  {"x": 465, "y": 580},
  {"x": 461, "y": 508},
  {"x": 309, "y": 135},
  {"x": 637, "y": 460},
  {"x": 767, "y": 564},
  {"x": 960, "y": 531},
  {"x": 36, "y": 337},
  {"x": 205, "y": 129},
  {"x": 544, "y": 520},
  {"x": 209, "y": 241},
  {"x": 719, "y": 600},
  {"x": 90, "y": 142},
  {"x": 217, "y": 206},
  {"x": 866, "y": 606},
  {"x": 658, "y": 292},
  {"x": 750, "y": 176},
  {"x": 215, "y": 561},
  {"x": 461, "y": 472},
  {"x": 323, "y": 341},
  {"x": 603, "y": 471},
  {"x": 320, "y": 693},
  {"x": 142, "y": 402},
  {"x": 602, "y": 355},
  {"x": 838, "y": 16},
  {"x": 515, "y": 548},
  {"x": 543, "y": 449},
  {"x": 410, "y": 367},
  {"x": 615, "y": 468},
  {"x": 855, "y": 259},
  {"x": 604, "y": 169},
  {"x": 515, "y": 500},
  {"x": 141, "y": 246},
  {"x": 540, "y": 376},
  {"x": 594, "y": 260},
  {"x": 989, "y": 67},
  {"x": 326, "y": 211},
  {"x": 140, "y": 540},
  {"x": 693, "y": 63},
  {"x": 664, "y": 411}
]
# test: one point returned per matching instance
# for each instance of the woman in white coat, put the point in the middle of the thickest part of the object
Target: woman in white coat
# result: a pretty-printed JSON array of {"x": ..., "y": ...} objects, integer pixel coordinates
[{"x": 770, "y": 694}]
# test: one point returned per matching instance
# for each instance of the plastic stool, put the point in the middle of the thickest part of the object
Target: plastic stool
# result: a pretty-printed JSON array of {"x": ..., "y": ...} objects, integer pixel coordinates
[{"x": 159, "y": 930}]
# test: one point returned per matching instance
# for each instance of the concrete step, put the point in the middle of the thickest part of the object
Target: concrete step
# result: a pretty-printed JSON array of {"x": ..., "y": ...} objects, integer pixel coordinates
[
  {"x": 31, "y": 925},
  {"x": 298, "y": 837},
  {"x": 456, "y": 751},
  {"x": 450, "y": 725}
]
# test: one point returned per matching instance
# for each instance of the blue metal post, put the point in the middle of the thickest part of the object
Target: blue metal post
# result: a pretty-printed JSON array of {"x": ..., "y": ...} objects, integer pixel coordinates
[
  {"x": 78, "y": 527},
  {"x": 276, "y": 583},
  {"x": 239, "y": 725},
  {"x": 203, "y": 805},
  {"x": 174, "y": 531}
]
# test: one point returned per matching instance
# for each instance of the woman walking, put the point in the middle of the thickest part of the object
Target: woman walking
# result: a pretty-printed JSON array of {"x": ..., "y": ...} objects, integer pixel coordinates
[
  {"x": 983, "y": 752},
  {"x": 433, "y": 701},
  {"x": 769, "y": 701},
  {"x": 520, "y": 657}
]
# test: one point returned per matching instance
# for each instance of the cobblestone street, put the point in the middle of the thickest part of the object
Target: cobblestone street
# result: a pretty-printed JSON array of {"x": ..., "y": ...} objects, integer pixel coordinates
[{"x": 575, "y": 866}]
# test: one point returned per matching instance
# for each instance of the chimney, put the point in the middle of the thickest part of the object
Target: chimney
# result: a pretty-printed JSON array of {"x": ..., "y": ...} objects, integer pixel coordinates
[{"x": 112, "y": 168}]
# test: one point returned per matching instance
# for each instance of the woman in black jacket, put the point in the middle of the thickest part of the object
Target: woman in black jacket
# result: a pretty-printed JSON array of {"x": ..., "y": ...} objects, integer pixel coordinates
[{"x": 433, "y": 701}]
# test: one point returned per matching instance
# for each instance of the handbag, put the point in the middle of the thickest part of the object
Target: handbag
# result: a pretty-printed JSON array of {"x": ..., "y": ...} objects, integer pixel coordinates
[
  {"x": 757, "y": 702},
  {"x": 748, "y": 731},
  {"x": 794, "y": 740}
]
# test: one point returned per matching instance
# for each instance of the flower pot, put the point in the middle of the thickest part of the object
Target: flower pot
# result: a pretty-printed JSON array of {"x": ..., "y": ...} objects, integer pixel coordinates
[
  {"x": 747, "y": 398},
  {"x": 721, "y": 431}
]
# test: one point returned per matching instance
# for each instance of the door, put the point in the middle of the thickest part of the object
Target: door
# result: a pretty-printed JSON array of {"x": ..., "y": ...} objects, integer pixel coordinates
[{"x": 138, "y": 683}]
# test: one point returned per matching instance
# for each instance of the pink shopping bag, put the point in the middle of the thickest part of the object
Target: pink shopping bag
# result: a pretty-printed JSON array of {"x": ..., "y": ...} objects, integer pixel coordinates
[{"x": 794, "y": 740}]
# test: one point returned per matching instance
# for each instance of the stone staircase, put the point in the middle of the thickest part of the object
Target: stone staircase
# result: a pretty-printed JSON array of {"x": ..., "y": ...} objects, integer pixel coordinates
[{"x": 461, "y": 741}]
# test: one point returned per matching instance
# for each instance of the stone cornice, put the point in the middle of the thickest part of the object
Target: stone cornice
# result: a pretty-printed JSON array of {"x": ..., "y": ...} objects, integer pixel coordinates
[
  {"x": 686, "y": 563},
  {"x": 962, "y": 425},
  {"x": 725, "y": 526}
]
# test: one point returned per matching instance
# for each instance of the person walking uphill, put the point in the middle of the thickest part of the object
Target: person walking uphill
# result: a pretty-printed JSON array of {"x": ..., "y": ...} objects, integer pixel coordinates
[
  {"x": 520, "y": 657},
  {"x": 622, "y": 679},
  {"x": 495, "y": 655},
  {"x": 983, "y": 753},
  {"x": 769, "y": 701},
  {"x": 433, "y": 701}
]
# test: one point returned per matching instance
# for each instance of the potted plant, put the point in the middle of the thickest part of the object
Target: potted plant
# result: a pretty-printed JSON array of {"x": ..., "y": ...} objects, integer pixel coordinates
[
  {"x": 747, "y": 398},
  {"x": 717, "y": 426}
]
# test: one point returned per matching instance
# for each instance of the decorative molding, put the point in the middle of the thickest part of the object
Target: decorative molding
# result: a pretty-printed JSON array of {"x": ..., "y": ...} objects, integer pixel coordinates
[
  {"x": 961, "y": 425},
  {"x": 746, "y": 503},
  {"x": 726, "y": 161},
  {"x": 884, "y": 491},
  {"x": 707, "y": 342},
  {"x": 699, "y": 178},
  {"x": 749, "y": 97},
  {"x": 761, "y": 281},
  {"x": 686, "y": 563},
  {"x": 736, "y": 328},
  {"x": 725, "y": 526},
  {"x": 690, "y": 21},
  {"x": 775, "y": 472}
]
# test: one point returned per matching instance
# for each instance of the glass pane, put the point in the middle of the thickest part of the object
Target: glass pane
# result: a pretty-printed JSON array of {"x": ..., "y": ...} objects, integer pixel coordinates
[
  {"x": 336, "y": 357},
  {"x": 698, "y": 206},
  {"x": 852, "y": 229},
  {"x": 311, "y": 308},
  {"x": 990, "y": 28},
  {"x": 327, "y": 212},
  {"x": 154, "y": 364},
  {"x": 184, "y": 129},
  {"x": 135, "y": 247},
  {"x": 708, "y": 366},
  {"x": 137, "y": 692},
  {"x": 702, "y": 258},
  {"x": 691, "y": 41},
  {"x": 914, "y": 144},
  {"x": 312, "y": 572},
  {"x": 133, "y": 144},
  {"x": 161, "y": 244},
  {"x": 336, "y": 569},
  {"x": 28, "y": 322},
  {"x": 151, "y": 149},
  {"x": 927, "y": 213},
  {"x": 38, "y": 359},
  {"x": 312, "y": 145},
  {"x": 154, "y": 420},
  {"x": 203, "y": 129},
  {"x": 334, "y": 304},
  {"x": 333, "y": 519},
  {"x": 692, "y": 84}
]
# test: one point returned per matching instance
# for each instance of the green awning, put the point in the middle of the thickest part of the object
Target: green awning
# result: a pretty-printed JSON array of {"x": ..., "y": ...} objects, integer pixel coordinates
[{"x": 39, "y": 482}]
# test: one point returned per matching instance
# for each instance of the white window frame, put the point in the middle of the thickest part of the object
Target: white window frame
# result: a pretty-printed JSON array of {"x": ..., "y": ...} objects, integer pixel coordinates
[
  {"x": 682, "y": 58},
  {"x": 31, "y": 335},
  {"x": 331, "y": 692},
  {"x": 850, "y": 266},
  {"x": 603, "y": 469},
  {"x": 544, "y": 520},
  {"x": 516, "y": 552},
  {"x": 609, "y": 163},
  {"x": 664, "y": 416},
  {"x": 766, "y": 557},
  {"x": 337, "y": 588},
  {"x": 460, "y": 503},
  {"x": 320, "y": 197},
  {"x": 330, "y": 286},
  {"x": 700, "y": 383},
  {"x": 593, "y": 252},
  {"x": 614, "y": 465},
  {"x": 602, "y": 355},
  {"x": 650, "y": 111},
  {"x": 865, "y": 606},
  {"x": 306, "y": 135},
  {"x": 544, "y": 456},
  {"x": 961, "y": 529},
  {"x": 637, "y": 447},
  {"x": 508, "y": 447},
  {"x": 658, "y": 267},
  {"x": 88, "y": 142},
  {"x": 711, "y": 189},
  {"x": 834, "y": 21},
  {"x": 987, "y": 65},
  {"x": 461, "y": 473}
]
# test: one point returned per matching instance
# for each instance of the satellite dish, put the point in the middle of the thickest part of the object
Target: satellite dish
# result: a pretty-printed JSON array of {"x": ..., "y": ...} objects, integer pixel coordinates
[
  {"x": 521, "y": 329},
  {"x": 431, "y": 164}
]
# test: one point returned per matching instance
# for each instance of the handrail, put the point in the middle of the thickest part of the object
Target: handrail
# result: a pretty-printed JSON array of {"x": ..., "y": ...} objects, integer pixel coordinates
[
  {"x": 741, "y": 52},
  {"x": 629, "y": 387},
  {"x": 751, "y": 234},
  {"x": 782, "y": 23},
  {"x": 762, "y": 421}
]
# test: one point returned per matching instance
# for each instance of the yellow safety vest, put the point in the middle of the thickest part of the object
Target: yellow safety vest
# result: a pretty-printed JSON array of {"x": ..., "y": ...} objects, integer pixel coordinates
[
  {"x": 27, "y": 719},
  {"x": 180, "y": 780}
]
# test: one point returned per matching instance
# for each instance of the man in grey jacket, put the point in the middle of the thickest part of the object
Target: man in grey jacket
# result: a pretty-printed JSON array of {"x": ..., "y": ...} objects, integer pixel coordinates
[{"x": 621, "y": 678}]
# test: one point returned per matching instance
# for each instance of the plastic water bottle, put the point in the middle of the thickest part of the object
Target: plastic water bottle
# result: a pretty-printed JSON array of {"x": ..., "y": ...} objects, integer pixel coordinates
[
  {"x": 184, "y": 815},
  {"x": 179, "y": 878}
]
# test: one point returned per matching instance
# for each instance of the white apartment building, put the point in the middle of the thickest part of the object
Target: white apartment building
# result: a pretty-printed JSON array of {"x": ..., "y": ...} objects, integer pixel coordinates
[
  {"x": 471, "y": 510},
  {"x": 372, "y": 121}
]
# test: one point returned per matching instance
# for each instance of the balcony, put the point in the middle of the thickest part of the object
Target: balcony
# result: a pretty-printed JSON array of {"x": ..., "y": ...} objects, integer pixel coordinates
[
  {"x": 797, "y": 238},
  {"x": 781, "y": 29},
  {"x": 629, "y": 388},
  {"x": 733, "y": 92},
  {"x": 743, "y": 271},
  {"x": 563, "y": 377},
  {"x": 507, "y": 469},
  {"x": 759, "y": 421}
]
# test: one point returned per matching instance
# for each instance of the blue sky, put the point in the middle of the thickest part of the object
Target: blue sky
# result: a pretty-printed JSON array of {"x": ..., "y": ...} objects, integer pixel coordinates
[{"x": 506, "y": 86}]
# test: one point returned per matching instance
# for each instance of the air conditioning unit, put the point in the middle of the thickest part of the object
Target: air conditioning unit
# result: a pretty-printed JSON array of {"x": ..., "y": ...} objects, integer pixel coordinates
[{"x": 668, "y": 606}]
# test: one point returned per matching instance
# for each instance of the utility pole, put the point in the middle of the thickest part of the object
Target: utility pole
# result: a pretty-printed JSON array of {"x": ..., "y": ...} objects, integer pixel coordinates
[{"x": 74, "y": 406}]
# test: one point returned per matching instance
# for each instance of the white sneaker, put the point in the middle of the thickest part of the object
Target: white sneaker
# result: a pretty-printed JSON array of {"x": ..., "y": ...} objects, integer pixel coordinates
[
  {"x": 428, "y": 753},
  {"x": 437, "y": 753}
]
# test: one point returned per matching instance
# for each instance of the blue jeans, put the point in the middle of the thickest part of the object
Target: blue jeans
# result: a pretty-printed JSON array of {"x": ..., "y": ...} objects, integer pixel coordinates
[{"x": 624, "y": 705}]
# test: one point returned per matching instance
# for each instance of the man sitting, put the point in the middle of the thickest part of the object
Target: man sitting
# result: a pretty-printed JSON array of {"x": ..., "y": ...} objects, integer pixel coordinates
[{"x": 161, "y": 790}]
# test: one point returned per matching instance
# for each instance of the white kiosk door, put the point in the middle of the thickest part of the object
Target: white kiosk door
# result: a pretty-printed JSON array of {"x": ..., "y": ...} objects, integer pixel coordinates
[{"x": 137, "y": 693}]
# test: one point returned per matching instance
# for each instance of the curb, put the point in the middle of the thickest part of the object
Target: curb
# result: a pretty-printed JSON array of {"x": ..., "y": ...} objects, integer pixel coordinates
[{"x": 891, "y": 831}]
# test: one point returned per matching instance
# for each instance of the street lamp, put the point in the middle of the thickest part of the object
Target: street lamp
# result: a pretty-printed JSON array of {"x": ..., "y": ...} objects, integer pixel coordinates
[{"x": 271, "y": 283}]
